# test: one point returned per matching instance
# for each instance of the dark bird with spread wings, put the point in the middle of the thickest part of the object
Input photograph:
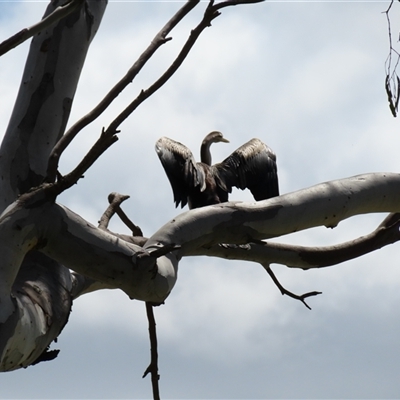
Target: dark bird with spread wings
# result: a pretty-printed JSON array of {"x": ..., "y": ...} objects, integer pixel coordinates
[{"x": 251, "y": 166}]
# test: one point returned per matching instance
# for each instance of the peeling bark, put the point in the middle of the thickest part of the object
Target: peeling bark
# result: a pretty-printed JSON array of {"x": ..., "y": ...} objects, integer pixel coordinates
[{"x": 42, "y": 304}]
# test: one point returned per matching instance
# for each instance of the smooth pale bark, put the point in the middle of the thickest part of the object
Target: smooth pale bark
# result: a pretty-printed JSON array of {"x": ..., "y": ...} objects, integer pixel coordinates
[
  {"x": 307, "y": 257},
  {"x": 325, "y": 204},
  {"x": 72, "y": 241},
  {"x": 33, "y": 223},
  {"x": 64, "y": 236},
  {"x": 60, "y": 12},
  {"x": 38, "y": 237},
  {"x": 35, "y": 297},
  {"x": 44, "y": 100}
]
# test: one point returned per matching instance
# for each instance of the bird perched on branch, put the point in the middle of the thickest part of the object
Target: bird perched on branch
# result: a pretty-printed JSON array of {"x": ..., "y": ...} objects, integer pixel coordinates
[{"x": 251, "y": 166}]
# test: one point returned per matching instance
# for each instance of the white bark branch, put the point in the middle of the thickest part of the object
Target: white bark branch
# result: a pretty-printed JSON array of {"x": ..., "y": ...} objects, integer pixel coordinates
[
  {"x": 325, "y": 204},
  {"x": 131, "y": 74},
  {"x": 66, "y": 237},
  {"x": 34, "y": 223},
  {"x": 307, "y": 257}
]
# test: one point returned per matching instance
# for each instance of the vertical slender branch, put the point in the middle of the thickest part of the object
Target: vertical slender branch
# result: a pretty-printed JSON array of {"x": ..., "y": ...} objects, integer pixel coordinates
[
  {"x": 153, "y": 367},
  {"x": 392, "y": 81}
]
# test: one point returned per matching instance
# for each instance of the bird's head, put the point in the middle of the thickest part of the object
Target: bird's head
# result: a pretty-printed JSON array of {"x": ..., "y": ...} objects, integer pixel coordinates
[{"x": 215, "y": 137}]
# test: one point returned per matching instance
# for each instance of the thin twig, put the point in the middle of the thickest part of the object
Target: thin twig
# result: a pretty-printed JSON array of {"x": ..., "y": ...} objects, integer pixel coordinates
[
  {"x": 108, "y": 136},
  {"x": 102, "y": 144},
  {"x": 392, "y": 81},
  {"x": 309, "y": 257},
  {"x": 229, "y": 3},
  {"x": 210, "y": 14},
  {"x": 153, "y": 366},
  {"x": 26, "y": 33},
  {"x": 285, "y": 291},
  {"x": 115, "y": 199}
]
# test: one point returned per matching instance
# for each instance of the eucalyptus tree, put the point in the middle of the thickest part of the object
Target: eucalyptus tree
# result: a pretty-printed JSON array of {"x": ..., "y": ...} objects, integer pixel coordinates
[{"x": 50, "y": 255}]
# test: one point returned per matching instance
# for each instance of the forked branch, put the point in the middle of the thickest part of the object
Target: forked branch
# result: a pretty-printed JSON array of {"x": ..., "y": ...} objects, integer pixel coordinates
[
  {"x": 115, "y": 200},
  {"x": 307, "y": 257},
  {"x": 392, "y": 80},
  {"x": 102, "y": 144},
  {"x": 284, "y": 291},
  {"x": 210, "y": 14},
  {"x": 158, "y": 41}
]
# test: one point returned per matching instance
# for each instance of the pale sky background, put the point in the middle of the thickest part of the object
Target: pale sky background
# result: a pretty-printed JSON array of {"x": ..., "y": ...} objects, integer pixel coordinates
[{"x": 308, "y": 79}]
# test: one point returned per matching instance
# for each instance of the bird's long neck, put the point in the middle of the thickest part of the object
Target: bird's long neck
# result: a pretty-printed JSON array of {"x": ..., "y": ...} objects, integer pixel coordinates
[{"x": 205, "y": 154}]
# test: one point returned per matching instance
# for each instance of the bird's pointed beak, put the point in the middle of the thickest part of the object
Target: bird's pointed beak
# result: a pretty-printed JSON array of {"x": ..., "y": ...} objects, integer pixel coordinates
[{"x": 224, "y": 140}]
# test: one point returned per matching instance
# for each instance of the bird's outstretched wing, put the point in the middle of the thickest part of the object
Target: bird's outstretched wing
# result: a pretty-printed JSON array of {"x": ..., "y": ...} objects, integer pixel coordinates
[
  {"x": 180, "y": 167},
  {"x": 252, "y": 166}
]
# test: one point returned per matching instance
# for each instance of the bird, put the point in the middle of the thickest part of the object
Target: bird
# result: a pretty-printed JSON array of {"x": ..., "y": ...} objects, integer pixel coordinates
[{"x": 198, "y": 184}]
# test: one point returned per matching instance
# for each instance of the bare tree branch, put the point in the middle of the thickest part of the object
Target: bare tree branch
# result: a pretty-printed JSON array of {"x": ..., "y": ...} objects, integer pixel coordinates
[
  {"x": 45, "y": 97},
  {"x": 144, "y": 273},
  {"x": 229, "y": 3},
  {"x": 307, "y": 257},
  {"x": 392, "y": 80},
  {"x": 108, "y": 136},
  {"x": 102, "y": 144},
  {"x": 82, "y": 284},
  {"x": 391, "y": 219},
  {"x": 62, "y": 234},
  {"x": 210, "y": 14},
  {"x": 115, "y": 200},
  {"x": 158, "y": 41},
  {"x": 153, "y": 366},
  {"x": 23, "y": 35},
  {"x": 285, "y": 291},
  {"x": 325, "y": 204}
]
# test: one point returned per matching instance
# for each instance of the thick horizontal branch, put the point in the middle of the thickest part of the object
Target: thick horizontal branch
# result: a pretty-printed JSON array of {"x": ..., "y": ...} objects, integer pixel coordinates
[
  {"x": 67, "y": 238},
  {"x": 307, "y": 257},
  {"x": 325, "y": 204}
]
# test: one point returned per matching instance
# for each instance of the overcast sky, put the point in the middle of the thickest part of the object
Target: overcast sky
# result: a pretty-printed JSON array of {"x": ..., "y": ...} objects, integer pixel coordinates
[{"x": 308, "y": 79}]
